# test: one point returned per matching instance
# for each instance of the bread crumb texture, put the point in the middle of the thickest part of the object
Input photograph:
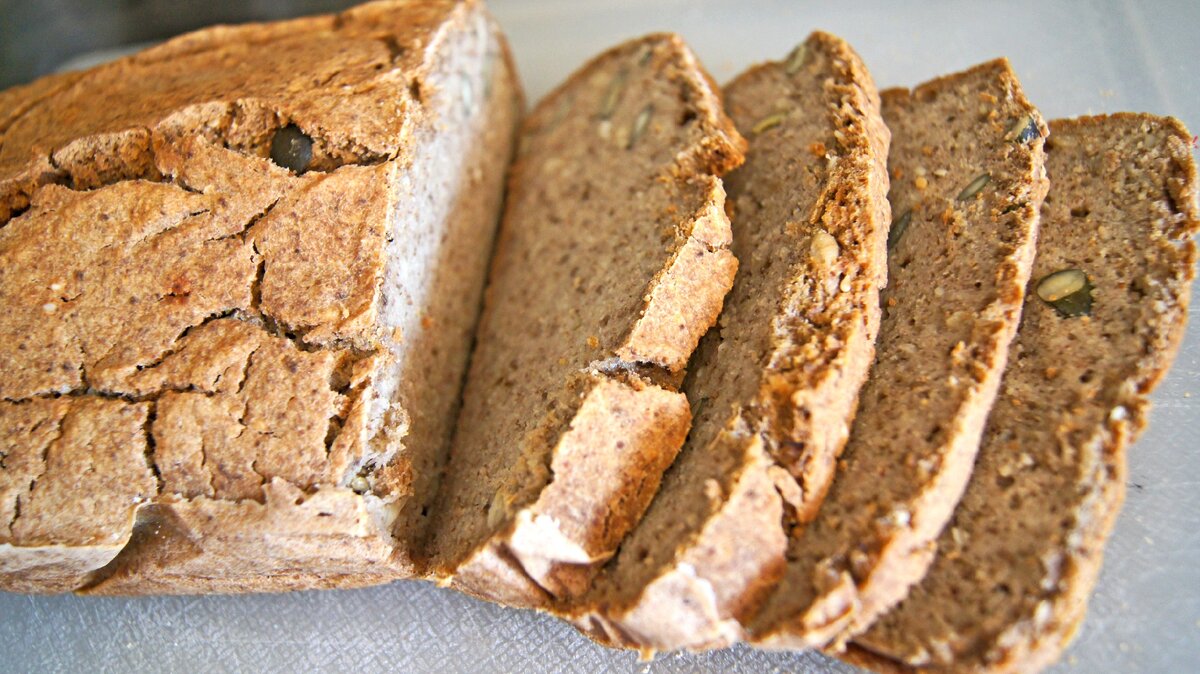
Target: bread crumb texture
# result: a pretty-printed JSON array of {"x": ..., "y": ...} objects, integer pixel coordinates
[
  {"x": 1015, "y": 565},
  {"x": 613, "y": 259},
  {"x": 960, "y": 253},
  {"x": 774, "y": 384}
]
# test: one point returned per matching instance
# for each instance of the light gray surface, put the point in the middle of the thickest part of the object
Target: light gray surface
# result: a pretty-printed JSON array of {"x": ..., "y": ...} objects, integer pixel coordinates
[{"x": 1072, "y": 58}]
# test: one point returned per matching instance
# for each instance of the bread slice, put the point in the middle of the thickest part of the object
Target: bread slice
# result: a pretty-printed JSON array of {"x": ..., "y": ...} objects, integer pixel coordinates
[
  {"x": 775, "y": 383},
  {"x": 613, "y": 260},
  {"x": 242, "y": 272},
  {"x": 1016, "y": 564},
  {"x": 967, "y": 179}
]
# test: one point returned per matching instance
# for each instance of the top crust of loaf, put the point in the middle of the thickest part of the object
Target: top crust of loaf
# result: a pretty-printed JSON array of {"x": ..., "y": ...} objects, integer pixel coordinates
[
  {"x": 1016, "y": 564},
  {"x": 294, "y": 69},
  {"x": 775, "y": 384},
  {"x": 956, "y": 281},
  {"x": 170, "y": 291},
  {"x": 612, "y": 262}
]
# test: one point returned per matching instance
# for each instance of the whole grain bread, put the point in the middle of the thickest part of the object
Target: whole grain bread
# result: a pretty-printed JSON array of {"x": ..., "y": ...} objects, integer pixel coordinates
[
  {"x": 967, "y": 179},
  {"x": 774, "y": 384},
  {"x": 613, "y": 260},
  {"x": 242, "y": 272},
  {"x": 1016, "y": 564}
]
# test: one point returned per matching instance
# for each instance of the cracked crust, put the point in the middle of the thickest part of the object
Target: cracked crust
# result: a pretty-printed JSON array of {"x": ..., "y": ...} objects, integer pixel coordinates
[
  {"x": 1018, "y": 561},
  {"x": 613, "y": 260},
  {"x": 775, "y": 383},
  {"x": 957, "y": 275},
  {"x": 276, "y": 333}
]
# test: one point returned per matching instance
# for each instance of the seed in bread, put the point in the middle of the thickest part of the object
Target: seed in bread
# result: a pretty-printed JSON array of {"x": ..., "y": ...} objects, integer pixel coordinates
[
  {"x": 956, "y": 279},
  {"x": 1016, "y": 564},
  {"x": 241, "y": 274}
]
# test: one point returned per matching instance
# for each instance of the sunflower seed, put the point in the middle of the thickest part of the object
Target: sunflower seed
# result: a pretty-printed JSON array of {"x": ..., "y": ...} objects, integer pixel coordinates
[
  {"x": 975, "y": 186},
  {"x": 1023, "y": 130},
  {"x": 615, "y": 88},
  {"x": 767, "y": 122},
  {"x": 646, "y": 54},
  {"x": 796, "y": 59},
  {"x": 899, "y": 225},
  {"x": 639, "y": 125}
]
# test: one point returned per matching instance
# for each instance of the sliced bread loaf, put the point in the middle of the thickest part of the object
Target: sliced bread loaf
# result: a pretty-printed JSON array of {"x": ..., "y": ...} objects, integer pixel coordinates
[
  {"x": 967, "y": 179},
  {"x": 241, "y": 274},
  {"x": 1105, "y": 310},
  {"x": 774, "y": 384},
  {"x": 613, "y": 260}
]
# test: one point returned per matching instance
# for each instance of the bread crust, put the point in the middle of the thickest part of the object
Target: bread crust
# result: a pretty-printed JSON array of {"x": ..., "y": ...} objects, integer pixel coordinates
[{"x": 164, "y": 268}]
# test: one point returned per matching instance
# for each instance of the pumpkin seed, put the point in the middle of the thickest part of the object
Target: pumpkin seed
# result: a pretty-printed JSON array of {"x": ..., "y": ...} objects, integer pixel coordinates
[
  {"x": 1023, "y": 130},
  {"x": 1069, "y": 291},
  {"x": 292, "y": 149},
  {"x": 613, "y": 94},
  {"x": 899, "y": 225},
  {"x": 796, "y": 59},
  {"x": 767, "y": 122},
  {"x": 975, "y": 186},
  {"x": 639, "y": 125}
]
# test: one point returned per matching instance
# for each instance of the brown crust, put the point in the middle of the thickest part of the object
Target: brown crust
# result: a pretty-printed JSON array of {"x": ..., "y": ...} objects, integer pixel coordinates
[
  {"x": 715, "y": 580},
  {"x": 574, "y": 525},
  {"x": 250, "y": 431},
  {"x": 686, "y": 296},
  {"x": 814, "y": 404},
  {"x": 842, "y": 578},
  {"x": 1027, "y": 632}
]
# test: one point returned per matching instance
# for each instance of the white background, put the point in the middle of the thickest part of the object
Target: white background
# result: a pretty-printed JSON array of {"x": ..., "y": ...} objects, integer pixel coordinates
[{"x": 1073, "y": 58}]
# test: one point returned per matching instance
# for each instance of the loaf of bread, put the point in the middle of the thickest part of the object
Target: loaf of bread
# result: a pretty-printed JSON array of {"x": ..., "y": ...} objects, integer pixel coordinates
[
  {"x": 1103, "y": 317},
  {"x": 774, "y": 385},
  {"x": 613, "y": 259},
  {"x": 241, "y": 275},
  {"x": 967, "y": 179}
]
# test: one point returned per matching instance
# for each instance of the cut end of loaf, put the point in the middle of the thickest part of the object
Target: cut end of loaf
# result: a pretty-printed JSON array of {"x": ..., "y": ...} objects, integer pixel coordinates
[{"x": 180, "y": 281}]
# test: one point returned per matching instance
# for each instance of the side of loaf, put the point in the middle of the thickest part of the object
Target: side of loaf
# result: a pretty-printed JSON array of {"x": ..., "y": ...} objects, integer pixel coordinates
[
  {"x": 774, "y": 384},
  {"x": 238, "y": 297},
  {"x": 1105, "y": 311},
  {"x": 613, "y": 259},
  {"x": 967, "y": 179}
]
